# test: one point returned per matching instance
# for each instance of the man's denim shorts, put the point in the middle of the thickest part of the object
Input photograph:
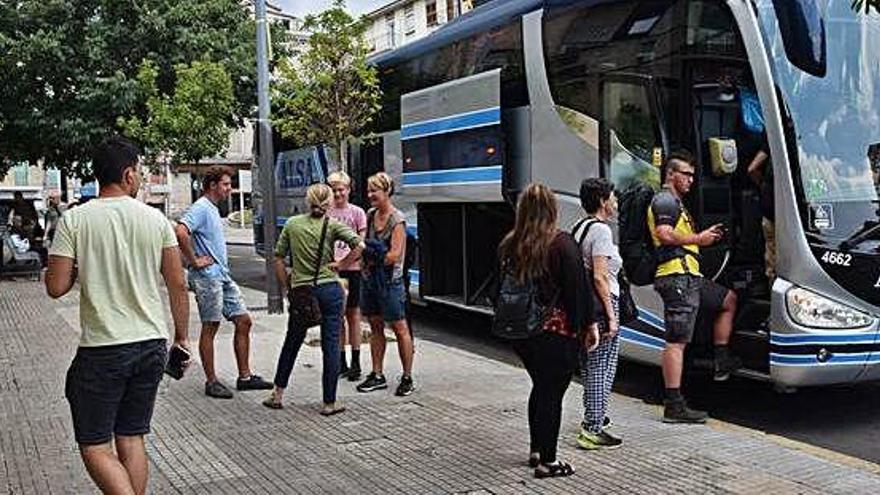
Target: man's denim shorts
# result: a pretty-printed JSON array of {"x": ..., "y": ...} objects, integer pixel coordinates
[
  {"x": 217, "y": 298},
  {"x": 112, "y": 389},
  {"x": 388, "y": 300}
]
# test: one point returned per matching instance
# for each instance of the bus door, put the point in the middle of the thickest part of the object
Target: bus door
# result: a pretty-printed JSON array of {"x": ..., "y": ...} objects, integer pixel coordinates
[
  {"x": 723, "y": 193},
  {"x": 632, "y": 141},
  {"x": 632, "y": 137}
]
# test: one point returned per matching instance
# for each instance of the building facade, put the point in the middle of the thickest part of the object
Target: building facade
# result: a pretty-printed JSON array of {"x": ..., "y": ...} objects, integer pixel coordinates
[{"x": 403, "y": 21}]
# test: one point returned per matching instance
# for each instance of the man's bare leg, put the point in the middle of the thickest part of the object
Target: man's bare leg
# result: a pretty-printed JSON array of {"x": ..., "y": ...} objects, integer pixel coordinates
[
  {"x": 241, "y": 343},
  {"x": 206, "y": 349},
  {"x": 133, "y": 456},
  {"x": 106, "y": 470}
]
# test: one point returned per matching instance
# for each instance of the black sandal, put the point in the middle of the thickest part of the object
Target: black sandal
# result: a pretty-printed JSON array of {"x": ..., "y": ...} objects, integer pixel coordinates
[
  {"x": 558, "y": 469},
  {"x": 534, "y": 459}
]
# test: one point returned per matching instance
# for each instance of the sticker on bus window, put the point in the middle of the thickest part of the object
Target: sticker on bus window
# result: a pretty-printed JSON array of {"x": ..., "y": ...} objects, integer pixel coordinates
[{"x": 822, "y": 216}]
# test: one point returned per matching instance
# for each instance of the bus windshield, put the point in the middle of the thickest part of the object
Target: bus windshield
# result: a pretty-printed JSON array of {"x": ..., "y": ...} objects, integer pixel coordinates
[{"x": 836, "y": 118}]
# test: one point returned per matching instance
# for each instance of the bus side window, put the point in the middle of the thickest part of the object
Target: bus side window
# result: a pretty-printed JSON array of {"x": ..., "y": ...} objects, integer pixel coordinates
[{"x": 630, "y": 128}]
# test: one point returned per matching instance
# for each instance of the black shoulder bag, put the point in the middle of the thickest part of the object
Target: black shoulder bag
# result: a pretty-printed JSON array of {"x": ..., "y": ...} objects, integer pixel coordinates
[{"x": 304, "y": 308}]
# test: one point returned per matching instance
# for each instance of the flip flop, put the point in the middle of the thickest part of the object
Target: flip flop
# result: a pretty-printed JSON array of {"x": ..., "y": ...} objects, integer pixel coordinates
[
  {"x": 326, "y": 411},
  {"x": 555, "y": 470},
  {"x": 271, "y": 403}
]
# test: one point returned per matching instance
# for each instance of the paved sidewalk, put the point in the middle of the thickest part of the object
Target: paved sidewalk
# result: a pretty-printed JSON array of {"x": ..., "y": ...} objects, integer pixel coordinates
[
  {"x": 236, "y": 235},
  {"x": 463, "y": 431}
]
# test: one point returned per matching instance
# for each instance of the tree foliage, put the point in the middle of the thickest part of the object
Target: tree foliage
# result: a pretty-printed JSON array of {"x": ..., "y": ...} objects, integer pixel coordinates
[
  {"x": 69, "y": 68},
  {"x": 331, "y": 94},
  {"x": 866, "y": 5},
  {"x": 190, "y": 124}
]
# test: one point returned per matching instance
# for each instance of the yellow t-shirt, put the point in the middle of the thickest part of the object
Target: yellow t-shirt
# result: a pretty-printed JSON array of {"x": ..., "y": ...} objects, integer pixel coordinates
[
  {"x": 666, "y": 209},
  {"x": 117, "y": 244}
]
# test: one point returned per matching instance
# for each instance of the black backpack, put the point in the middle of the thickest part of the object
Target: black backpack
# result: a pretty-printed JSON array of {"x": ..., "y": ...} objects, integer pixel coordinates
[
  {"x": 518, "y": 313},
  {"x": 627, "y": 308},
  {"x": 636, "y": 243}
]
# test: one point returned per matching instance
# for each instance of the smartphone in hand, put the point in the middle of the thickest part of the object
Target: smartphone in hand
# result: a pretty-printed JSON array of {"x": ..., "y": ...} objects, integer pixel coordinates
[{"x": 176, "y": 359}]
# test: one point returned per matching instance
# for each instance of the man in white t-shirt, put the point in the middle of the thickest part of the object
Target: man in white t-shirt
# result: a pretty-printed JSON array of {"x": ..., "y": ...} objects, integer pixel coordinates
[{"x": 117, "y": 248}]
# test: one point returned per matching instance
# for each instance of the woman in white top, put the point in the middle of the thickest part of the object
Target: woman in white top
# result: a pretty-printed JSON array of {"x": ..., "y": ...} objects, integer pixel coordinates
[{"x": 603, "y": 262}]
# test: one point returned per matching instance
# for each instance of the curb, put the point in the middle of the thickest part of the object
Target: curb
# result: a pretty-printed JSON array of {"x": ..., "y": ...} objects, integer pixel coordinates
[{"x": 814, "y": 450}]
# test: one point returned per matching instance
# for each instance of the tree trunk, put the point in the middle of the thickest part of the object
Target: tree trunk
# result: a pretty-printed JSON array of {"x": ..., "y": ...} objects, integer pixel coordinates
[{"x": 343, "y": 156}]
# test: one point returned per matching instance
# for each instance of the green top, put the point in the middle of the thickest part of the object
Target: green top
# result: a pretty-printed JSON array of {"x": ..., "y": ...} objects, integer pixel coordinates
[
  {"x": 301, "y": 235},
  {"x": 117, "y": 243}
]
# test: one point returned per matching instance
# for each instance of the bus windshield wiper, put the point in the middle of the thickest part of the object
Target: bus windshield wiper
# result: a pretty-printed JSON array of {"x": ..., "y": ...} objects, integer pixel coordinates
[{"x": 861, "y": 235}]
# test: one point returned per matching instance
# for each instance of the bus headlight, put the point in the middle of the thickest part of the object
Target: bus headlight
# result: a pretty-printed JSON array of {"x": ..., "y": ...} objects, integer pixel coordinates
[{"x": 812, "y": 310}]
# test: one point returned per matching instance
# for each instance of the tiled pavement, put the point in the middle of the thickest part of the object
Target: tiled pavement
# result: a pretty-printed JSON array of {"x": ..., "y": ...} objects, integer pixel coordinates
[{"x": 463, "y": 431}]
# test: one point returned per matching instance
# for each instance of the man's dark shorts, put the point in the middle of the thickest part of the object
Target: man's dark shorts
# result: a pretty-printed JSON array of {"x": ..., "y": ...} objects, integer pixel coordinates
[
  {"x": 353, "y": 280},
  {"x": 684, "y": 297},
  {"x": 112, "y": 389}
]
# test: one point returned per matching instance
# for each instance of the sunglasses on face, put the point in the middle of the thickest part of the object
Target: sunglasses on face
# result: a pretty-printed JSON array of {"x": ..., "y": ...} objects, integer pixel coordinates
[{"x": 688, "y": 174}]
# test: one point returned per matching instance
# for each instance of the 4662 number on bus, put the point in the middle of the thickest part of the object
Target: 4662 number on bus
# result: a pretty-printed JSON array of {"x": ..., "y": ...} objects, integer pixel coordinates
[{"x": 834, "y": 258}]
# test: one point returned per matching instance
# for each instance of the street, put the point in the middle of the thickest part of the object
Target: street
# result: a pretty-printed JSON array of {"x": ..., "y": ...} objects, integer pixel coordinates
[{"x": 844, "y": 419}]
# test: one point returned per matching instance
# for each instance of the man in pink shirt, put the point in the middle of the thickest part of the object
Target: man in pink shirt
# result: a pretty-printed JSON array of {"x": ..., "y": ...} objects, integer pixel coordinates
[{"x": 354, "y": 217}]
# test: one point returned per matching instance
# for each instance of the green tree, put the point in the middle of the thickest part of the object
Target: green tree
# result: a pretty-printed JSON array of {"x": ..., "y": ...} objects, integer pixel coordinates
[
  {"x": 190, "y": 124},
  {"x": 331, "y": 94},
  {"x": 69, "y": 68},
  {"x": 866, "y": 5}
]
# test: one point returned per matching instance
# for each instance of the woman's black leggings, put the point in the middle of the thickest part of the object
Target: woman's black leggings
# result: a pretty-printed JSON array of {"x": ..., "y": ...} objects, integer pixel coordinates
[{"x": 550, "y": 360}]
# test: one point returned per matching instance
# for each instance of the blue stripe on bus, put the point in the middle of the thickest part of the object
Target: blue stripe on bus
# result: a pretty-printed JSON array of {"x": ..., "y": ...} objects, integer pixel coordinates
[
  {"x": 811, "y": 360},
  {"x": 808, "y": 339},
  {"x": 413, "y": 230},
  {"x": 414, "y": 277},
  {"x": 642, "y": 339},
  {"x": 651, "y": 319},
  {"x": 452, "y": 123},
  {"x": 471, "y": 175}
]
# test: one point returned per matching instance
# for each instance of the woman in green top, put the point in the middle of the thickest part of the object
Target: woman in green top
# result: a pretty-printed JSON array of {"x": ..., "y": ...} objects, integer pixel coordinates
[{"x": 301, "y": 240}]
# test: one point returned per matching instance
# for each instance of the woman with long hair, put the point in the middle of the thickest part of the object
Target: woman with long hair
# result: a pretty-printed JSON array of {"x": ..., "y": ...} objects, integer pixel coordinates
[
  {"x": 537, "y": 251},
  {"x": 383, "y": 298},
  {"x": 308, "y": 239}
]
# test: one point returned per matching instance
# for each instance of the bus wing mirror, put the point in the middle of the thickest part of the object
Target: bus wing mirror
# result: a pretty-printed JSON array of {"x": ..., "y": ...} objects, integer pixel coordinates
[{"x": 803, "y": 34}]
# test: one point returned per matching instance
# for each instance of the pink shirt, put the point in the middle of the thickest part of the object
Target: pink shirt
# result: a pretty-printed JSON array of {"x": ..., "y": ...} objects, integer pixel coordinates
[{"x": 354, "y": 217}]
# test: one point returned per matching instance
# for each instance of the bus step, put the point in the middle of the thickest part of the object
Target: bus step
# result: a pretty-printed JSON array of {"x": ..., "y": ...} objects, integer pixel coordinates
[
  {"x": 458, "y": 302},
  {"x": 704, "y": 363}
]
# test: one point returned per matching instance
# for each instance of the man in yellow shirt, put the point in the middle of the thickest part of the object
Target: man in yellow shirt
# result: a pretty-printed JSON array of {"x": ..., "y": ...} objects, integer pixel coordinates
[
  {"x": 119, "y": 250},
  {"x": 684, "y": 290}
]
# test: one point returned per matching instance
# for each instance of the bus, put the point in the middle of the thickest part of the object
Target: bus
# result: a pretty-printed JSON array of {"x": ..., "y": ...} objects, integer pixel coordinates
[
  {"x": 295, "y": 170},
  {"x": 555, "y": 91}
]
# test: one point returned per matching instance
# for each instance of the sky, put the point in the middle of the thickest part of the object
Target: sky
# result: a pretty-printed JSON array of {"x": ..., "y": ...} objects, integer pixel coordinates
[{"x": 303, "y": 7}]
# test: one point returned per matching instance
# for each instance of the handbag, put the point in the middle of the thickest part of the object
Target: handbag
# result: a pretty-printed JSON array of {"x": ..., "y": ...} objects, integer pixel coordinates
[
  {"x": 628, "y": 312},
  {"x": 305, "y": 311}
]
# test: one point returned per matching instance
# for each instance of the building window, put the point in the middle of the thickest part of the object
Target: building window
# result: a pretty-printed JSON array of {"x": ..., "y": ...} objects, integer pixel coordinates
[
  {"x": 409, "y": 20},
  {"x": 390, "y": 31},
  {"x": 431, "y": 13},
  {"x": 451, "y": 9}
]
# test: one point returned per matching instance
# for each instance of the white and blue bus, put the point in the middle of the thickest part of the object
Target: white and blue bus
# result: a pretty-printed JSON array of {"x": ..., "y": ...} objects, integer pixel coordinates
[{"x": 555, "y": 91}]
